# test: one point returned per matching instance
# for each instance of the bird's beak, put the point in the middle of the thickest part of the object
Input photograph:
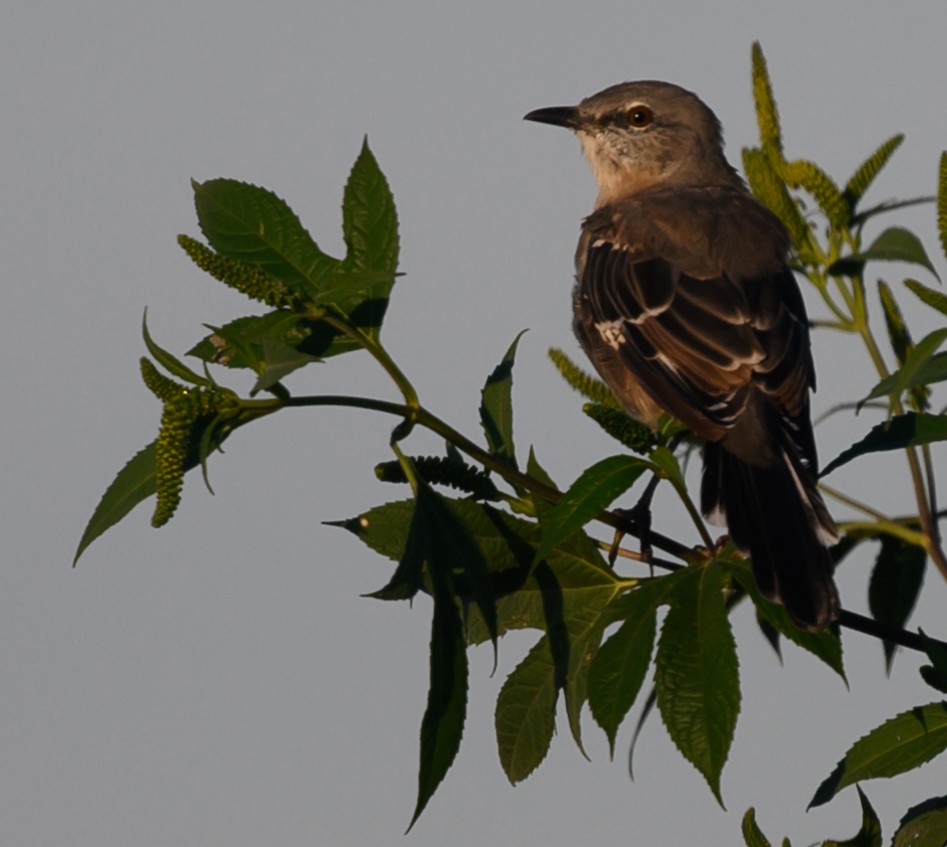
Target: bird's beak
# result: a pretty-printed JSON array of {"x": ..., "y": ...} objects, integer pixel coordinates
[{"x": 567, "y": 116}]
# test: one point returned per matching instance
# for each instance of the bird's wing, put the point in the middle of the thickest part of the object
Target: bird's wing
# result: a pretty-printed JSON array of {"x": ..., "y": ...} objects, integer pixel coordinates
[{"x": 663, "y": 316}]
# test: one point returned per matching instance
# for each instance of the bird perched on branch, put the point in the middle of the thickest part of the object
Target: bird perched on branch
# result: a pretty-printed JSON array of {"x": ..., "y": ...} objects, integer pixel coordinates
[{"x": 685, "y": 304}]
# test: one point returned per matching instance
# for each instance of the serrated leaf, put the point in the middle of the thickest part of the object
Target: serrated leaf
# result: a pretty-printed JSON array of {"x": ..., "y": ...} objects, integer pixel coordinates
[
  {"x": 496, "y": 407},
  {"x": 369, "y": 217},
  {"x": 923, "y": 825},
  {"x": 169, "y": 362},
  {"x": 253, "y": 225},
  {"x": 370, "y": 230},
  {"x": 752, "y": 835},
  {"x": 907, "y": 430},
  {"x": 901, "y": 342},
  {"x": 620, "y": 666},
  {"x": 526, "y": 713},
  {"x": 900, "y": 744},
  {"x": 595, "y": 489},
  {"x": 895, "y": 584},
  {"x": 870, "y": 833},
  {"x": 696, "y": 673},
  {"x": 893, "y": 245},
  {"x": 443, "y": 723}
]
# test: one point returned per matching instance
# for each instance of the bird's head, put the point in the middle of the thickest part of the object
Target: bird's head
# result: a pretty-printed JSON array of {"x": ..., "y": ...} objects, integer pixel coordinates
[{"x": 639, "y": 134}]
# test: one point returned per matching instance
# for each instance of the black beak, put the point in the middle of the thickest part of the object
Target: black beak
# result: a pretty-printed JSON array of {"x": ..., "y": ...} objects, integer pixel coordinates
[{"x": 567, "y": 116}]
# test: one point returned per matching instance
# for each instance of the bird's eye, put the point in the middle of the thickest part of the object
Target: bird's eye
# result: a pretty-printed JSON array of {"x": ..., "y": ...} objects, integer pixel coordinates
[{"x": 640, "y": 116}]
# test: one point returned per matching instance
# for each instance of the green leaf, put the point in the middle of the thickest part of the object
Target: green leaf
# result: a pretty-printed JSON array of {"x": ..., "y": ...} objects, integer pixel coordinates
[
  {"x": 496, "y": 407},
  {"x": 408, "y": 577},
  {"x": 369, "y": 217},
  {"x": 443, "y": 723},
  {"x": 933, "y": 298},
  {"x": 370, "y": 229},
  {"x": 138, "y": 479},
  {"x": 901, "y": 341},
  {"x": 893, "y": 245},
  {"x": 134, "y": 483},
  {"x": 870, "y": 833},
  {"x": 900, "y": 744},
  {"x": 170, "y": 363},
  {"x": 935, "y": 674},
  {"x": 252, "y": 225},
  {"x": 594, "y": 490},
  {"x": 526, "y": 713},
  {"x": 696, "y": 673},
  {"x": 907, "y": 430},
  {"x": 752, "y": 834},
  {"x": 924, "y": 825},
  {"x": 245, "y": 342},
  {"x": 619, "y": 668},
  {"x": 921, "y": 367},
  {"x": 895, "y": 585}
]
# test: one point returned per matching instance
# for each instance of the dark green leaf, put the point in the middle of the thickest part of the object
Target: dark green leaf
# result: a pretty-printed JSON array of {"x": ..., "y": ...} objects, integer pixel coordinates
[
  {"x": 244, "y": 342},
  {"x": 888, "y": 206},
  {"x": 870, "y": 833},
  {"x": 443, "y": 723},
  {"x": 924, "y": 825},
  {"x": 910, "y": 429},
  {"x": 541, "y": 508},
  {"x": 170, "y": 363},
  {"x": 496, "y": 407},
  {"x": 407, "y": 579},
  {"x": 369, "y": 218},
  {"x": 619, "y": 668},
  {"x": 935, "y": 674},
  {"x": 933, "y": 298},
  {"x": 137, "y": 480},
  {"x": 594, "y": 490},
  {"x": 895, "y": 584},
  {"x": 898, "y": 745},
  {"x": 696, "y": 673},
  {"x": 901, "y": 341},
  {"x": 752, "y": 834},
  {"x": 253, "y": 225},
  {"x": 893, "y": 245},
  {"x": 526, "y": 713},
  {"x": 134, "y": 483}
]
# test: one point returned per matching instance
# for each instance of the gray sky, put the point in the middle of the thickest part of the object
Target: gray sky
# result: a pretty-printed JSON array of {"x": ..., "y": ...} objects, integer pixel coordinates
[{"x": 221, "y": 681}]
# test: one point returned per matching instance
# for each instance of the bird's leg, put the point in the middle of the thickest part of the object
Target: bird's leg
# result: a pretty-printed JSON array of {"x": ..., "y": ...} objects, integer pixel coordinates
[{"x": 640, "y": 516}]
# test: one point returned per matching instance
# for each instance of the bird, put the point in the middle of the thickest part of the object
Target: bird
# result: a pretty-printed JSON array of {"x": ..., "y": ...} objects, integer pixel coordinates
[{"x": 685, "y": 304}]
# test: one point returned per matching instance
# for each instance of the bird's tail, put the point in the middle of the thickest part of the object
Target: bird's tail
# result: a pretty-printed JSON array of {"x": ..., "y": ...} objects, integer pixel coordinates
[{"x": 775, "y": 513}]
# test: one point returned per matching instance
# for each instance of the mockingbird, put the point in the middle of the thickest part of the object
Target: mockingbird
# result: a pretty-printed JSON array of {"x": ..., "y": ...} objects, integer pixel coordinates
[{"x": 685, "y": 304}]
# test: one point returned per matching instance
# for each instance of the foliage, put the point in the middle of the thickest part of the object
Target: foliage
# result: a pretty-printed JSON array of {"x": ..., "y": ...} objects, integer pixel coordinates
[{"x": 510, "y": 548}]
